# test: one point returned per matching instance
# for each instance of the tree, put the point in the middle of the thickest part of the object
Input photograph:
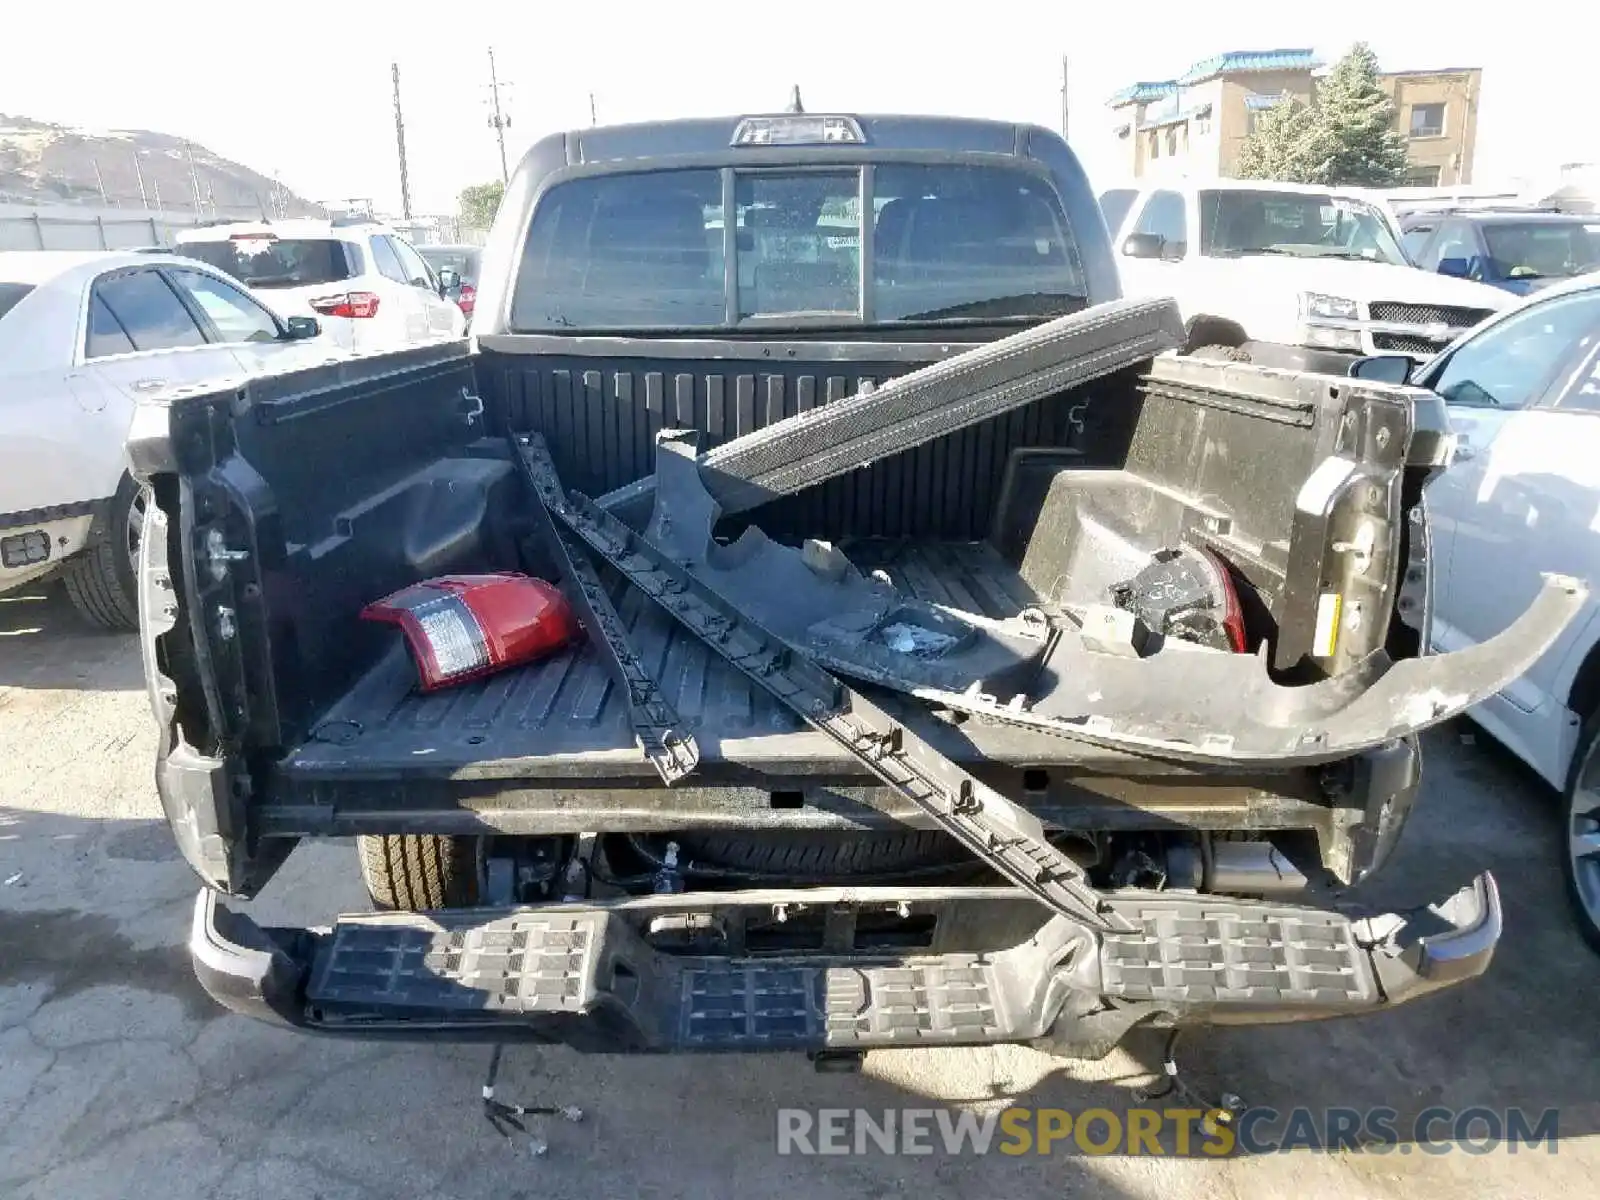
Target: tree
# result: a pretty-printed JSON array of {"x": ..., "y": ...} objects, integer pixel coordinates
[
  {"x": 480, "y": 202},
  {"x": 1282, "y": 146},
  {"x": 1363, "y": 146},
  {"x": 1347, "y": 137}
]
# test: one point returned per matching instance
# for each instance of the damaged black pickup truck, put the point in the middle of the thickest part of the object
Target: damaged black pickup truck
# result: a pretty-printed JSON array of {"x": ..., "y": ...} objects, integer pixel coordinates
[{"x": 936, "y": 659}]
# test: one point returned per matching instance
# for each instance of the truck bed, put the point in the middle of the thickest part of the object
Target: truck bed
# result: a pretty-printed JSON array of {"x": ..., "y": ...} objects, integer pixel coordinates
[{"x": 562, "y": 718}]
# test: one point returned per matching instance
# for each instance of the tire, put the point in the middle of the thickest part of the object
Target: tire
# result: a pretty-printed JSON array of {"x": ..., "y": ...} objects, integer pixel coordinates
[
  {"x": 416, "y": 872},
  {"x": 1219, "y": 353},
  {"x": 824, "y": 853},
  {"x": 101, "y": 579},
  {"x": 1580, "y": 860}
]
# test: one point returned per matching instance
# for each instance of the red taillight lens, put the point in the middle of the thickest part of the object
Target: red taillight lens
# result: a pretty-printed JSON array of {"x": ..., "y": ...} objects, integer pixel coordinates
[
  {"x": 467, "y": 299},
  {"x": 462, "y": 626},
  {"x": 351, "y": 304}
]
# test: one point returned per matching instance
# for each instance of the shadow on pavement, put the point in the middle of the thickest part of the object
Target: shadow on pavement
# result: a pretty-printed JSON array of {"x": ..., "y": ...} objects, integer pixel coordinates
[{"x": 44, "y": 643}]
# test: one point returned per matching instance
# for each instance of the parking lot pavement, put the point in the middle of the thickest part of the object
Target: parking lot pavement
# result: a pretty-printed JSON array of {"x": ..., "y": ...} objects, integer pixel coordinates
[{"x": 118, "y": 1078}]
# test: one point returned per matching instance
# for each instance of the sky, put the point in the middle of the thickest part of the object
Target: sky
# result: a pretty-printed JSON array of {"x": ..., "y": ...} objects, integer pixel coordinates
[{"x": 304, "y": 90}]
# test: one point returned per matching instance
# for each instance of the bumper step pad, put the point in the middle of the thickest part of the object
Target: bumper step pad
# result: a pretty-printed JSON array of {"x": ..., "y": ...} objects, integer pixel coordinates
[
  {"x": 587, "y": 976},
  {"x": 1209, "y": 951}
]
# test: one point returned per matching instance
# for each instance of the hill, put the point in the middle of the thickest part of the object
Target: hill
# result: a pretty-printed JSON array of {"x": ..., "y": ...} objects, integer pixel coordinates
[{"x": 41, "y": 163}]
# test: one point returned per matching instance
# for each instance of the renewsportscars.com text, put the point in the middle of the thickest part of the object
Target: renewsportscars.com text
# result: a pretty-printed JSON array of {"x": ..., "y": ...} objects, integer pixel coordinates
[{"x": 1176, "y": 1132}]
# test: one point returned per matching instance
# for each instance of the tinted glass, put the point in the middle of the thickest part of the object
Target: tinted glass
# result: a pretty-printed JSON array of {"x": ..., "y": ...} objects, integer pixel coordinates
[
  {"x": 106, "y": 335},
  {"x": 272, "y": 262},
  {"x": 237, "y": 317},
  {"x": 416, "y": 271},
  {"x": 1543, "y": 249},
  {"x": 1304, "y": 224},
  {"x": 386, "y": 260},
  {"x": 647, "y": 250},
  {"x": 970, "y": 242},
  {"x": 1455, "y": 240},
  {"x": 1167, "y": 216},
  {"x": 799, "y": 239},
  {"x": 11, "y": 294},
  {"x": 1114, "y": 206},
  {"x": 1512, "y": 363},
  {"x": 625, "y": 251},
  {"x": 149, "y": 311}
]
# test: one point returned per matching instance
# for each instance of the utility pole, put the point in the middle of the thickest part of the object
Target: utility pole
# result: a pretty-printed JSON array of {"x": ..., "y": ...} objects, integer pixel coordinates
[
  {"x": 99, "y": 181},
  {"x": 593, "y": 120},
  {"x": 400, "y": 141},
  {"x": 1063, "y": 95},
  {"x": 498, "y": 121}
]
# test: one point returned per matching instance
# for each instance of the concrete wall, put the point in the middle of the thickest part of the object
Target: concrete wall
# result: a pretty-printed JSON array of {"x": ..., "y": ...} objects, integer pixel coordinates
[
  {"x": 78, "y": 227},
  {"x": 1451, "y": 152}
]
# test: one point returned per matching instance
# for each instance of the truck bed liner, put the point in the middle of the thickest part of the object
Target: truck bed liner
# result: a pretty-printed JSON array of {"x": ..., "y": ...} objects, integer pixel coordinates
[{"x": 563, "y": 718}]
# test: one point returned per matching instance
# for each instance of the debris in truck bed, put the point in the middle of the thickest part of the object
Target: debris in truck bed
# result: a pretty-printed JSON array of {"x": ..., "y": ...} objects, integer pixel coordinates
[
  {"x": 460, "y": 627},
  {"x": 1002, "y": 834},
  {"x": 994, "y": 378},
  {"x": 840, "y": 616}
]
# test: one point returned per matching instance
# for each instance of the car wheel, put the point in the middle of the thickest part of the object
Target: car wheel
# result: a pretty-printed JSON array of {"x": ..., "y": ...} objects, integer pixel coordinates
[
  {"x": 1580, "y": 835},
  {"x": 101, "y": 579}
]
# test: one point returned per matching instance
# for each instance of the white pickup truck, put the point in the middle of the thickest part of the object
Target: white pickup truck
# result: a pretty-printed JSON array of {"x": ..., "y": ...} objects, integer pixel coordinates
[{"x": 1286, "y": 275}]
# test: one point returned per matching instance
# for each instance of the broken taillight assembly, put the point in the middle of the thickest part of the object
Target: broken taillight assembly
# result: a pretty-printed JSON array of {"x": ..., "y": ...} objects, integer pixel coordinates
[
  {"x": 460, "y": 627},
  {"x": 1186, "y": 593},
  {"x": 350, "y": 304}
]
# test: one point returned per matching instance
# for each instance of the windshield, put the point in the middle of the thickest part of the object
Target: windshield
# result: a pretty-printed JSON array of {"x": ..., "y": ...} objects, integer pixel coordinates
[
  {"x": 1542, "y": 249},
  {"x": 1310, "y": 225},
  {"x": 272, "y": 262},
  {"x": 11, "y": 295},
  {"x": 442, "y": 258},
  {"x": 949, "y": 244}
]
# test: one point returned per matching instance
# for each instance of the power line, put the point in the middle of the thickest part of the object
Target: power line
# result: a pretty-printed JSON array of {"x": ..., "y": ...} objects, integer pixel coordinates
[
  {"x": 497, "y": 120},
  {"x": 400, "y": 141}
]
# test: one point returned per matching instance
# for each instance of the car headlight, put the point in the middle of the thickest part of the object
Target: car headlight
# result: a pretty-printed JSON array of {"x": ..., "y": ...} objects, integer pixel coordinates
[{"x": 1315, "y": 304}]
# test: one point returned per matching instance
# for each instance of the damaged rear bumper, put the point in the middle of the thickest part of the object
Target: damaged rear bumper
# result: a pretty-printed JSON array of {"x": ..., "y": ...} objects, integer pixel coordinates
[{"x": 701, "y": 972}]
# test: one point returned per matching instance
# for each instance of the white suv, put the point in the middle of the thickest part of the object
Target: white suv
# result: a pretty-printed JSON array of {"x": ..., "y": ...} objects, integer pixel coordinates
[{"x": 365, "y": 283}]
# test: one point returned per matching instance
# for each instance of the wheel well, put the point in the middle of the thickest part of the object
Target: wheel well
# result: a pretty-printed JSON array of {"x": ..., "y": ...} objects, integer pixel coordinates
[
  {"x": 1214, "y": 331},
  {"x": 1584, "y": 699}
]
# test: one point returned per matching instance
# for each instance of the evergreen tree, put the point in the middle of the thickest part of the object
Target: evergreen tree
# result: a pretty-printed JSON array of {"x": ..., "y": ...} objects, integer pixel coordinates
[
  {"x": 1282, "y": 144},
  {"x": 1347, "y": 137},
  {"x": 1356, "y": 116}
]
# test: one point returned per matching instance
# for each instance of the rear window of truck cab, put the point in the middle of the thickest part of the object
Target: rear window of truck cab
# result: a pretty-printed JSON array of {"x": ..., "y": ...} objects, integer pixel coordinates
[{"x": 651, "y": 250}]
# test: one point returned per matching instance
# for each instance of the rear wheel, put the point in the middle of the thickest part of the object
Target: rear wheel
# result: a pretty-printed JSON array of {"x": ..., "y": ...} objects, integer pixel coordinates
[
  {"x": 101, "y": 579},
  {"x": 1580, "y": 835},
  {"x": 413, "y": 872}
]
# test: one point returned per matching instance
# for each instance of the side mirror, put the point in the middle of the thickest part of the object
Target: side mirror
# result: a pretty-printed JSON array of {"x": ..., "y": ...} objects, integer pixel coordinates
[
  {"x": 1382, "y": 368},
  {"x": 1459, "y": 268},
  {"x": 449, "y": 279},
  {"x": 1143, "y": 245},
  {"x": 299, "y": 329}
]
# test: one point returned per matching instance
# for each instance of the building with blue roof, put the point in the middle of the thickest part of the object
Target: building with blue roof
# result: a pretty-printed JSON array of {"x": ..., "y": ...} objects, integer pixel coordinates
[{"x": 1195, "y": 124}]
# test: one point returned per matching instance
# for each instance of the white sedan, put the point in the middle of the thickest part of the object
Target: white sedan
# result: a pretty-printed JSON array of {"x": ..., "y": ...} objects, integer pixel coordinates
[
  {"x": 82, "y": 337},
  {"x": 1523, "y": 498}
]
